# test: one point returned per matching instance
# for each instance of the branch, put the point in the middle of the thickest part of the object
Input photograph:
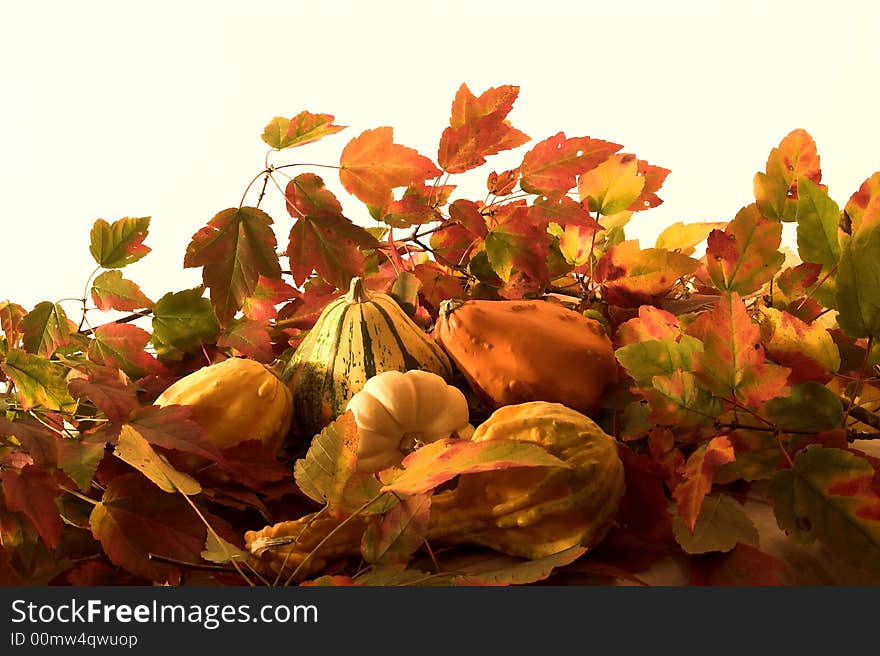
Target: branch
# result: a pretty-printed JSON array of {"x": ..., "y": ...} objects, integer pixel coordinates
[
  {"x": 126, "y": 319},
  {"x": 862, "y": 414}
]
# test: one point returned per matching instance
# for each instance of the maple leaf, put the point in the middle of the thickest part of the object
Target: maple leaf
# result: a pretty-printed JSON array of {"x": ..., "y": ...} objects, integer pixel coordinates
[
  {"x": 234, "y": 250},
  {"x": 863, "y": 207},
  {"x": 303, "y": 128},
  {"x": 654, "y": 177},
  {"x": 684, "y": 237},
  {"x": 172, "y": 427},
  {"x": 698, "y": 476},
  {"x": 330, "y": 461},
  {"x": 468, "y": 215},
  {"x": 858, "y": 284},
  {"x": 632, "y": 276},
  {"x": 720, "y": 526},
  {"x": 652, "y": 323},
  {"x": 248, "y": 338},
  {"x": 109, "y": 389},
  {"x": 45, "y": 329},
  {"x": 252, "y": 464},
  {"x": 11, "y": 315},
  {"x": 554, "y": 164},
  {"x": 121, "y": 346},
  {"x": 613, "y": 185},
  {"x": 794, "y": 282},
  {"x": 437, "y": 284},
  {"x": 435, "y": 463},
  {"x": 828, "y": 496},
  {"x": 307, "y": 195},
  {"x": 657, "y": 357},
  {"x": 807, "y": 349},
  {"x": 417, "y": 206},
  {"x": 38, "y": 381},
  {"x": 110, "y": 291},
  {"x": 478, "y": 128},
  {"x": 502, "y": 184},
  {"x": 118, "y": 244},
  {"x": 678, "y": 399},
  {"x": 563, "y": 211},
  {"x": 519, "y": 243},
  {"x": 182, "y": 322},
  {"x": 305, "y": 309},
  {"x": 372, "y": 165},
  {"x": 269, "y": 292},
  {"x": 134, "y": 519},
  {"x": 732, "y": 363},
  {"x": 776, "y": 190},
  {"x": 745, "y": 255},
  {"x": 399, "y": 533},
  {"x": 32, "y": 491}
]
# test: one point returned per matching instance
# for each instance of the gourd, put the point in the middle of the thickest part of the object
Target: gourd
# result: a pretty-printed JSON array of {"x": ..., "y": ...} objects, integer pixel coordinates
[
  {"x": 357, "y": 336},
  {"x": 235, "y": 400},
  {"x": 530, "y": 512},
  {"x": 512, "y": 352},
  {"x": 397, "y": 412}
]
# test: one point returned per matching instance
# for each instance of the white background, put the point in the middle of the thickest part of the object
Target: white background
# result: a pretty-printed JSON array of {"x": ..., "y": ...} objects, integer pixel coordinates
[{"x": 112, "y": 109}]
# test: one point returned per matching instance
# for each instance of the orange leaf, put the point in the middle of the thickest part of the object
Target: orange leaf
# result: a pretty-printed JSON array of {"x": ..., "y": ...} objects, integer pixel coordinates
[
  {"x": 632, "y": 276},
  {"x": 654, "y": 176},
  {"x": 372, "y": 165},
  {"x": 652, "y": 323},
  {"x": 863, "y": 208},
  {"x": 698, "y": 475},
  {"x": 554, "y": 164},
  {"x": 776, "y": 188}
]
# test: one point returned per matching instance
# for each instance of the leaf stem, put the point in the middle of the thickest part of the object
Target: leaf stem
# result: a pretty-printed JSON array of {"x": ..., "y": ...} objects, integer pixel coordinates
[{"x": 78, "y": 495}]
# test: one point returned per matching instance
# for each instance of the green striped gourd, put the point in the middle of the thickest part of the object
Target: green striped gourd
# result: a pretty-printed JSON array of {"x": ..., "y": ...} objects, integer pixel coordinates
[{"x": 356, "y": 337}]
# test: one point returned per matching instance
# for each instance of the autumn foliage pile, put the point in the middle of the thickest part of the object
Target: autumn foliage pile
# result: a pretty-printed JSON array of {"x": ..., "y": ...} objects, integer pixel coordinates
[{"x": 746, "y": 372}]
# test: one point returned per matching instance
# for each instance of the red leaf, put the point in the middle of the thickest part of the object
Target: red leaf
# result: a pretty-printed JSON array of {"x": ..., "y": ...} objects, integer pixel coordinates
[
  {"x": 329, "y": 244},
  {"x": 303, "y": 128},
  {"x": 794, "y": 282},
  {"x": 304, "y": 310},
  {"x": 863, "y": 207},
  {"x": 518, "y": 242},
  {"x": 253, "y": 464},
  {"x": 652, "y": 323},
  {"x": 437, "y": 284},
  {"x": 654, "y": 176},
  {"x": 502, "y": 184},
  {"x": 109, "y": 389},
  {"x": 248, "y": 338},
  {"x": 632, "y": 276},
  {"x": 467, "y": 214},
  {"x": 776, "y": 188},
  {"x": 45, "y": 329},
  {"x": 121, "y": 346},
  {"x": 372, "y": 165},
  {"x": 236, "y": 247},
  {"x": 417, "y": 206},
  {"x": 698, "y": 476},
  {"x": 32, "y": 491},
  {"x": 307, "y": 195},
  {"x": 110, "y": 291},
  {"x": 744, "y": 565},
  {"x": 478, "y": 128},
  {"x": 554, "y": 164},
  {"x": 172, "y": 427},
  {"x": 565, "y": 211},
  {"x": 269, "y": 292},
  {"x": 11, "y": 315}
]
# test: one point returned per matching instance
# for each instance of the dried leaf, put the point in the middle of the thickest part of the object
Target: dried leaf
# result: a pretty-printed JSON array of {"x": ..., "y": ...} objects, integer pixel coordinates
[
  {"x": 133, "y": 449},
  {"x": 330, "y": 461}
]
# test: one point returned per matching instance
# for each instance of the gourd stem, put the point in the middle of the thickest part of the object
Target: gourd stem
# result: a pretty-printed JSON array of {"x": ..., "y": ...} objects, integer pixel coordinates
[{"x": 357, "y": 293}]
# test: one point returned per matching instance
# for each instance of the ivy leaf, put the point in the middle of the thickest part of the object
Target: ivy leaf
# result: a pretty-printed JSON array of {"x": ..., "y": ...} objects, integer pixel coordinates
[
  {"x": 303, "y": 128},
  {"x": 234, "y": 250},
  {"x": 134, "y": 520},
  {"x": 109, "y": 389},
  {"x": 518, "y": 243},
  {"x": 247, "y": 338},
  {"x": 720, "y": 526},
  {"x": 632, "y": 276},
  {"x": 182, "y": 322},
  {"x": 435, "y": 463},
  {"x": 698, "y": 476},
  {"x": 399, "y": 533},
  {"x": 121, "y": 346},
  {"x": 478, "y": 128},
  {"x": 827, "y": 495},
  {"x": 45, "y": 329},
  {"x": 38, "y": 381},
  {"x": 133, "y": 449},
  {"x": 372, "y": 165},
  {"x": 807, "y": 349},
  {"x": 32, "y": 491},
  {"x": 657, "y": 357},
  {"x": 746, "y": 254},
  {"x": 817, "y": 217},
  {"x": 684, "y": 237},
  {"x": 863, "y": 207},
  {"x": 554, "y": 164},
  {"x": 732, "y": 363},
  {"x": 613, "y": 185},
  {"x": 115, "y": 245},
  {"x": 110, "y": 291},
  {"x": 330, "y": 461},
  {"x": 858, "y": 284},
  {"x": 776, "y": 190}
]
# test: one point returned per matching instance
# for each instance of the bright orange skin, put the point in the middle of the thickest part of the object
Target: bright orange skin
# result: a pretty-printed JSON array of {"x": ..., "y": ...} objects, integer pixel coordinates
[{"x": 517, "y": 351}]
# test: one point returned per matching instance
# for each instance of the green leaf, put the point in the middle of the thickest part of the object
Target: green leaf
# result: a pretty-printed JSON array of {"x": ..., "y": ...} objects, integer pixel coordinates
[
  {"x": 828, "y": 496},
  {"x": 657, "y": 357},
  {"x": 678, "y": 398},
  {"x": 330, "y": 461},
  {"x": 721, "y": 525},
  {"x": 121, "y": 345},
  {"x": 137, "y": 452},
  {"x": 110, "y": 291},
  {"x": 115, "y": 245},
  {"x": 399, "y": 533},
  {"x": 405, "y": 291},
  {"x": 234, "y": 250},
  {"x": 45, "y": 329},
  {"x": 303, "y": 128},
  {"x": 858, "y": 284},
  {"x": 182, "y": 322},
  {"x": 613, "y": 185},
  {"x": 808, "y": 349},
  {"x": 440, "y": 461},
  {"x": 38, "y": 381},
  {"x": 519, "y": 244},
  {"x": 817, "y": 218},
  {"x": 810, "y": 407}
]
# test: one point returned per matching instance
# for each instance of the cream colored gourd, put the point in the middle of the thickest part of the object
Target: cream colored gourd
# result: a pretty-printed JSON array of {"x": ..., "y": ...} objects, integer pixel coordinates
[{"x": 397, "y": 412}]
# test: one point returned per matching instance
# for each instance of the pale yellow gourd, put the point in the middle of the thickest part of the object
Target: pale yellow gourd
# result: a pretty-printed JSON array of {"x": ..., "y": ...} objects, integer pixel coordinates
[{"x": 397, "y": 412}]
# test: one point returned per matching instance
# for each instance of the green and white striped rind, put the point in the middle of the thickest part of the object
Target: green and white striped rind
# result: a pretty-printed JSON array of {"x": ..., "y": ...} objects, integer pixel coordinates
[{"x": 352, "y": 341}]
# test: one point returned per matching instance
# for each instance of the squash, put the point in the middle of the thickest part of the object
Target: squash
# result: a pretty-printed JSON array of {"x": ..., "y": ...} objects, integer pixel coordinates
[
  {"x": 513, "y": 352},
  {"x": 396, "y": 412},
  {"x": 528, "y": 512},
  {"x": 357, "y": 336},
  {"x": 235, "y": 400}
]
